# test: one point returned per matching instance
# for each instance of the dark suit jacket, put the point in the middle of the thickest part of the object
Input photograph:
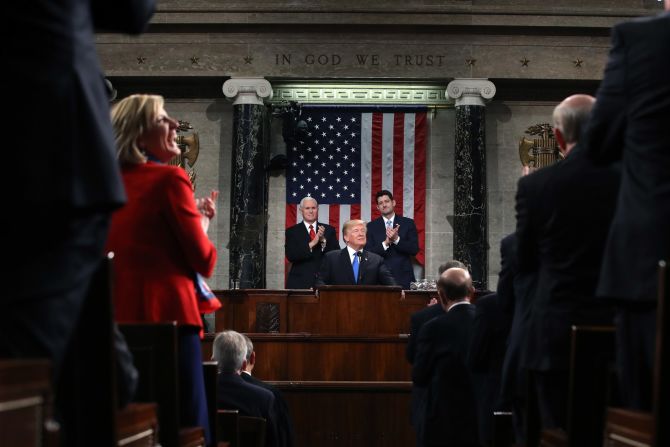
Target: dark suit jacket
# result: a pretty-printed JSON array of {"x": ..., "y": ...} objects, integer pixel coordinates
[
  {"x": 336, "y": 270},
  {"x": 417, "y": 320},
  {"x": 563, "y": 211},
  {"x": 54, "y": 58},
  {"x": 398, "y": 257},
  {"x": 490, "y": 330},
  {"x": 516, "y": 292},
  {"x": 233, "y": 393},
  {"x": 630, "y": 123},
  {"x": 305, "y": 263},
  {"x": 447, "y": 414},
  {"x": 284, "y": 425}
]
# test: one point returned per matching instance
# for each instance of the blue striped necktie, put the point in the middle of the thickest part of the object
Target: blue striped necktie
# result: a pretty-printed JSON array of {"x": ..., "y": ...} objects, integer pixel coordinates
[{"x": 355, "y": 267}]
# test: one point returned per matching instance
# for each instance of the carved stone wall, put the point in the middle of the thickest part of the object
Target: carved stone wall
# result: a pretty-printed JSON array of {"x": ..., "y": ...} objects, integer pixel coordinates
[{"x": 536, "y": 53}]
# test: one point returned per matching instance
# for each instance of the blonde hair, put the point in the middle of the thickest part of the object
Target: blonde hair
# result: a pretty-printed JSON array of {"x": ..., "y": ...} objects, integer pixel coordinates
[
  {"x": 131, "y": 117},
  {"x": 348, "y": 225}
]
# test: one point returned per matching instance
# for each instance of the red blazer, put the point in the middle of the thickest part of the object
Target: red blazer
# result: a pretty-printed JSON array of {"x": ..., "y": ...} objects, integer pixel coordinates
[{"x": 158, "y": 244}]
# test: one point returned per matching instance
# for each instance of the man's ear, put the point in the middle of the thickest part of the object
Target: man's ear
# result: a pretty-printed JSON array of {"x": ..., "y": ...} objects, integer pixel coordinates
[
  {"x": 560, "y": 139},
  {"x": 244, "y": 365},
  {"x": 252, "y": 359}
]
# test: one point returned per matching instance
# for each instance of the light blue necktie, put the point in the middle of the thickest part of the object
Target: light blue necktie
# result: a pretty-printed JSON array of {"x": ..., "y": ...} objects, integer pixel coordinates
[
  {"x": 355, "y": 267},
  {"x": 389, "y": 224}
]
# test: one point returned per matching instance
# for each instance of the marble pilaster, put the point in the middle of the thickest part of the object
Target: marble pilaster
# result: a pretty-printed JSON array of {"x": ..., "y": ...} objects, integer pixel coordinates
[
  {"x": 249, "y": 181},
  {"x": 470, "y": 211}
]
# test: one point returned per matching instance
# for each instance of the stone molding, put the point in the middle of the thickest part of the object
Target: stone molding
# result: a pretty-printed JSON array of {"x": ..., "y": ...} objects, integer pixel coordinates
[
  {"x": 471, "y": 91},
  {"x": 361, "y": 93},
  {"x": 247, "y": 90}
]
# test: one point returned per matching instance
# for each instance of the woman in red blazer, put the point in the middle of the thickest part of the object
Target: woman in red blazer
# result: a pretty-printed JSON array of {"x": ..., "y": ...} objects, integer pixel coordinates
[{"x": 160, "y": 242}]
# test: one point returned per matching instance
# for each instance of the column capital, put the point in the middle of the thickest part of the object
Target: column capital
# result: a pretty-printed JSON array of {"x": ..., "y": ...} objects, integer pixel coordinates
[
  {"x": 471, "y": 91},
  {"x": 247, "y": 90}
]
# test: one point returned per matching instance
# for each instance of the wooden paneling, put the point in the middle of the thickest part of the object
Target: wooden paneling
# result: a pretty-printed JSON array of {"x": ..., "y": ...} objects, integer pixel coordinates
[{"x": 370, "y": 414}]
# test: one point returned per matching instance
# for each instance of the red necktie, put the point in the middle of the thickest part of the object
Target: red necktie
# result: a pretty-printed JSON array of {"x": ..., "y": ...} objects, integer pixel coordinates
[{"x": 312, "y": 234}]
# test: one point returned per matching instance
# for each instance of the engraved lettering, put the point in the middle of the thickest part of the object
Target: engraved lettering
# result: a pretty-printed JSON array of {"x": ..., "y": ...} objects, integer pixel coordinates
[{"x": 282, "y": 59}]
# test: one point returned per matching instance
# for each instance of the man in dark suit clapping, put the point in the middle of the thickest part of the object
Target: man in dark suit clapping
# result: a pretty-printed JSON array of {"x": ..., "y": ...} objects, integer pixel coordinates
[
  {"x": 394, "y": 238},
  {"x": 630, "y": 123},
  {"x": 353, "y": 265},
  {"x": 306, "y": 243}
]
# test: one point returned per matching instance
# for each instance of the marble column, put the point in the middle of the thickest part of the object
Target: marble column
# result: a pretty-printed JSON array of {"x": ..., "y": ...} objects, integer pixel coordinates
[
  {"x": 470, "y": 213},
  {"x": 249, "y": 181}
]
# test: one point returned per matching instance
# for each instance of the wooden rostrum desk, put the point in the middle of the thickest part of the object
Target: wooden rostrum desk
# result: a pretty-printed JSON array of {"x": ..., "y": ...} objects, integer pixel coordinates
[{"x": 339, "y": 358}]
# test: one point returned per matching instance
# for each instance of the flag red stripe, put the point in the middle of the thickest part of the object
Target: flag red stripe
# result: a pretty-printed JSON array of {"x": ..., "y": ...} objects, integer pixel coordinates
[
  {"x": 376, "y": 174},
  {"x": 356, "y": 211},
  {"x": 421, "y": 127},
  {"x": 334, "y": 218},
  {"x": 398, "y": 159}
]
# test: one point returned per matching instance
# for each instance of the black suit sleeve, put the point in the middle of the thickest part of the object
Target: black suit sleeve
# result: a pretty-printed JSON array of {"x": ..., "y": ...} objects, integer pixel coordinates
[
  {"x": 127, "y": 16},
  {"x": 297, "y": 248},
  {"x": 424, "y": 360},
  {"x": 374, "y": 244},
  {"x": 409, "y": 241},
  {"x": 324, "y": 276},
  {"x": 385, "y": 277},
  {"x": 525, "y": 229},
  {"x": 505, "y": 288},
  {"x": 331, "y": 240},
  {"x": 605, "y": 136},
  {"x": 480, "y": 350}
]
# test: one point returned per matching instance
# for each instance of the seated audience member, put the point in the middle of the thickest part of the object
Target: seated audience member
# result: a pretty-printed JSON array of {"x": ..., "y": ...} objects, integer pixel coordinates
[
  {"x": 233, "y": 392},
  {"x": 566, "y": 251},
  {"x": 394, "y": 238},
  {"x": 352, "y": 265},
  {"x": 630, "y": 125},
  {"x": 306, "y": 243},
  {"x": 284, "y": 425},
  {"x": 160, "y": 242},
  {"x": 447, "y": 414}
]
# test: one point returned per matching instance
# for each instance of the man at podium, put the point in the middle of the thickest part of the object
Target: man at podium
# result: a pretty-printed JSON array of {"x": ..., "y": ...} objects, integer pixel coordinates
[{"x": 352, "y": 265}]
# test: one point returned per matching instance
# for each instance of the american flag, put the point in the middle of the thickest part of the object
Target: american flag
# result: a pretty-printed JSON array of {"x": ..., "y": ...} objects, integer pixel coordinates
[{"x": 348, "y": 154}]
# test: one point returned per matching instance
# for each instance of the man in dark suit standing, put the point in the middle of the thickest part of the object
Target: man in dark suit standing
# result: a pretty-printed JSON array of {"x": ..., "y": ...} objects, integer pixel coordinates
[
  {"x": 233, "y": 392},
  {"x": 306, "y": 244},
  {"x": 353, "y": 265},
  {"x": 447, "y": 414},
  {"x": 417, "y": 320},
  {"x": 68, "y": 182},
  {"x": 394, "y": 238},
  {"x": 630, "y": 123},
  {"x": 515, "y": 293},
  {"x": 563, "y": 211},
  {"x": 284, "y": 425}
]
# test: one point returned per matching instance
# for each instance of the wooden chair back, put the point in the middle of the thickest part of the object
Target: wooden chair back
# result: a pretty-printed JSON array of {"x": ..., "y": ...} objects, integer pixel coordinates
[{"x": 154, "y": 349}]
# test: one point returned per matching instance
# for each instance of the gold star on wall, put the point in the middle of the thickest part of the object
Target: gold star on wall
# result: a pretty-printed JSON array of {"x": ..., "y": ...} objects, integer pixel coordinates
[
  {"x": 470, "y": 62},
  {"x": 195, "y": 60},
  {"x": 524, "y": 61},
  {"x": 141, "y": 59},
  {"x": 578, "y": 63}
]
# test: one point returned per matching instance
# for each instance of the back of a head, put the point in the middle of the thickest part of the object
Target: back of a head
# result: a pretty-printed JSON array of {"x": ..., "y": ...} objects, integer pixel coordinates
[
  {"x": 572, "y": 115},
  {"x": 250, "y": 346},
  {"x": 450, "y": 264},
  {"x": 229, "y": 351},
  {"x": 131, "y": 117},
  {"x": 455, "y": 284}
]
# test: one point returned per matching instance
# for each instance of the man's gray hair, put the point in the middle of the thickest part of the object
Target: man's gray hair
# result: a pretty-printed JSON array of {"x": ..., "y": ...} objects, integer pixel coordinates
[
  {"x": 450, "y": 264},
  {"x": 302, "y": 201},
  {"x": 571, "y": 117},
  {"x": 250, "y": 347},
  {"x": 229, "y": 351}
]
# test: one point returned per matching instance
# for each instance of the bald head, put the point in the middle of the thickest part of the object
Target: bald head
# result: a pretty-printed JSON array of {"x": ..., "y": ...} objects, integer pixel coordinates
[
  {"x": 455, "y": 284},
  {"x": 570, "y": 118}
]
